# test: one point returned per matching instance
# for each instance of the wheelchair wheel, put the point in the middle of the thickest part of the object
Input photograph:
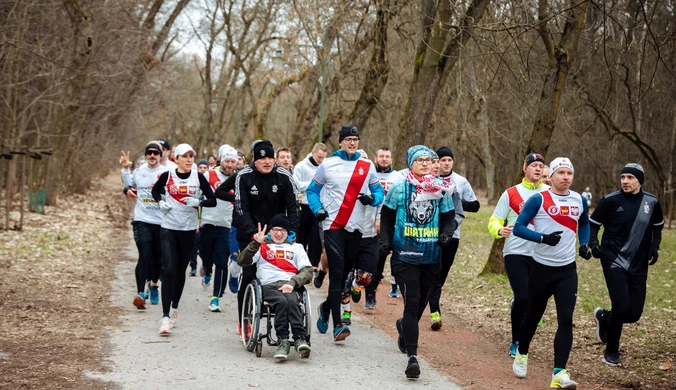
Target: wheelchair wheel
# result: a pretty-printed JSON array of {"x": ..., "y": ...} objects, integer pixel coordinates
[
  {"x": 251, "y": 316},
  {"x": 307, "y": 316},
  {"x": 259, "y": 348}
]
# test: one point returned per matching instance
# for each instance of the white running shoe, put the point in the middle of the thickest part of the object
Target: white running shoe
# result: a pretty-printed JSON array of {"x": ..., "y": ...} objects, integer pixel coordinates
[
  {"x": 165, "y": 326},
  {"x": 562, "y": 381},
  {"x": 520, "y": 365},
  {"x": 173, "y": 317}
]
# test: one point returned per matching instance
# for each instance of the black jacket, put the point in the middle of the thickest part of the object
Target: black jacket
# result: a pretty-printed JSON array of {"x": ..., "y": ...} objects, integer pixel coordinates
[{"x": 259, "y": 197}]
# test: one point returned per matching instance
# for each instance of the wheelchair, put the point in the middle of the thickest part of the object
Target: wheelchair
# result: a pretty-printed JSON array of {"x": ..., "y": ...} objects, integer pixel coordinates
[{"x": 255, "y": 308}]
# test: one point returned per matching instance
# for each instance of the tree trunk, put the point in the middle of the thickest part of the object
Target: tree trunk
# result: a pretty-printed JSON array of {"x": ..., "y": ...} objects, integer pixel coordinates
[
  {"x": 560, "y": 58},
  {"x": 433, "y": 61},
  {"x": 495, "y": 263}
]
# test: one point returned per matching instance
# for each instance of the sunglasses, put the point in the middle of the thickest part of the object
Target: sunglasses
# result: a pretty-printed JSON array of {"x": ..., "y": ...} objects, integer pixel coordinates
[{"x": 152, "y": 152}]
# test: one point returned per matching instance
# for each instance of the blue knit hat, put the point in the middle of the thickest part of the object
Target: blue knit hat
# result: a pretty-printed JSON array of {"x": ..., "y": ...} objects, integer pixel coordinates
[{"x": 415, "y": 152}]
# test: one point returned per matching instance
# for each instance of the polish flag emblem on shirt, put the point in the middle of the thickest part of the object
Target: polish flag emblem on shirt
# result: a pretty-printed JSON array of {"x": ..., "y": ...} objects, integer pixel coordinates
[{"x": 574, "y": 211}]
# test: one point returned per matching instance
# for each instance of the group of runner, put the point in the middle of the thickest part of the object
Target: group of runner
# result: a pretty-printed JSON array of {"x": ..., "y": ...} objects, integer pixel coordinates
[{"x": 349, "y": 214}]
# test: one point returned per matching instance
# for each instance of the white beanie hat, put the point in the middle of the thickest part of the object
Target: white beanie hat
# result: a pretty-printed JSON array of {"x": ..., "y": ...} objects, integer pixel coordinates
[
  {"x": 560, "y": 162},
  {"x": 227, "y": 152}
]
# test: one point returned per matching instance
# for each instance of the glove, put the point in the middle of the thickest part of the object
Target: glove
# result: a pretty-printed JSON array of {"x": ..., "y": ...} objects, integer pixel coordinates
[
  {"x": 366, "y": 199},
  {"x": 596, "y": 250},
  {"x": 443, "y": 241},
  {"x": 384, "y": 250},
  {"x": 321, "y": 215},
  {"x": 190, "y": 201},
  {"x": 652, "y": 256},
  {"x": 164, "y": 206},
  {"x": 585, "y": 251},
  {"x": 551, "y": 239}
]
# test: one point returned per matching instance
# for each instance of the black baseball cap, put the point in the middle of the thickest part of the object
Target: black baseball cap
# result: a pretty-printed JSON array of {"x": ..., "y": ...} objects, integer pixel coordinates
[{"x": 164, "y": 144}]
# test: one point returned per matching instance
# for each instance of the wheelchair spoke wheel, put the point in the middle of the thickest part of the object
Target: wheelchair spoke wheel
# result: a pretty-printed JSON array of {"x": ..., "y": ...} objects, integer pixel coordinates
[
  {"x": 307, "y": 316},
  {"x": 251, "y": 317}
]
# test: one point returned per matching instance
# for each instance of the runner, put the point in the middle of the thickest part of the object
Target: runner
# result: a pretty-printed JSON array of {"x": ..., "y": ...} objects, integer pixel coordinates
[
  {"x": 215, "y": 229},
  {"x": 545, "y": 176},
  {"x": 587, "y": 194},
  {"x": 556, "y": 215},
  {"x": 387, "y": 176},
  {"x": 417, "y": 218},
  {"x": 283, "y": 158},
  {"x": 518, "y": 253},
  {"x": 344, "y": 179},
  {"x": 203, "y": 166},
  {"x": 177, "y": 192},
  {"x": 213, "y": 163},
  {"x": 146, "y": 225},
  {"x": 308, "y": 232},
  {"x": 632, "y": 221},
  {"x": 262, "y": 190},
  {"x": 469, "y": 204}
]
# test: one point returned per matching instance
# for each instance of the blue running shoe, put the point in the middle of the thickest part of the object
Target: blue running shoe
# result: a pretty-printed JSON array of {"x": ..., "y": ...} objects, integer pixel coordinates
[
  {"x": 154, "y": 294},
  {"x": 233, "y": 283},
  {"x": 512, "y": 349},
  {"x": 394, "y": 290},
  {"x": 341, "y": 333},
  {"x": 206, "y": 280},
  {"x": 214, "y": 306},
  {"x": 322, "y": 324}
]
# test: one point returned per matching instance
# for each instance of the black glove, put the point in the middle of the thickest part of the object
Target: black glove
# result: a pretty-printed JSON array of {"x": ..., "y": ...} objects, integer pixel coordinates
[
  {"x": 585, "y": 251},
  {"x": 652, "y": 256},
  {"x": 443, "y": 241},
  {"x": 551, "y": 239},
  {"x": 596, "y": 250},
  {"x": 321, "y": 215},
  {"x": 384, "y": 250},
  {"x": 366, "y": 199}
]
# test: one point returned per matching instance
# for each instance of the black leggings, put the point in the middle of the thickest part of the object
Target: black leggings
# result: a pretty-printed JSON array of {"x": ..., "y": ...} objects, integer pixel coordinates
[
  {"x": 447, "y": 258},
  {"x": 415, "y": 282},
  {"x": 518, "y": 268},
  {"x": 308, "y": 235},
  {"x": 287, "y": 312},
  {"x": 627, "y": 294},
  {"x": 545, "y": 281},
  {"x": 176, "y": 249},
  {"x": 378, "y": 275},
  {"x": 342, "y": 251},
  {"x": 248, "y": 275},
  {"x": 214, "y": 251},
  {"x": 149, "y": 265}
]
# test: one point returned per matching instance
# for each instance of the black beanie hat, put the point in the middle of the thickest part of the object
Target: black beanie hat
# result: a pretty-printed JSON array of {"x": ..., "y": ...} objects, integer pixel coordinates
[
  {"x": 203, "y": 162},
  {"x": 347, "y": 131},
  {"x": 164, "y": 143},
  {"x": 444, "y": 151},
  {"x": 263, "y": 149},
  {"x": 533, "y": 157},
  {"x": 280, "y": 220},
  {"x": 154, "y": 146},
  {"x": 634, "y": 169}
]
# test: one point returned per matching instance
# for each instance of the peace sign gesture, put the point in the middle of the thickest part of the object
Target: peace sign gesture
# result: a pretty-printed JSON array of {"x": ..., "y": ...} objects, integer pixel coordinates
[
  {"x": 260, "y": 236},
  {"x": 124, "y": 160}
]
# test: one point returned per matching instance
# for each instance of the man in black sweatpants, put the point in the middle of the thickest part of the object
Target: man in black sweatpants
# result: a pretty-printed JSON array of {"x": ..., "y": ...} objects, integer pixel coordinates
[{"x": 633, "y": 222}]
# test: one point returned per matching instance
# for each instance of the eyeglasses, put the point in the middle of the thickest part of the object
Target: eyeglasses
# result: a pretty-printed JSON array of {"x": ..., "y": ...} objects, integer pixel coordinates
[
  {"x": 423, "y": 161},
  {"x": 351, "y": 139},
  {"x": 277, "y": 229},
  {"x": 152, "y": 152}
]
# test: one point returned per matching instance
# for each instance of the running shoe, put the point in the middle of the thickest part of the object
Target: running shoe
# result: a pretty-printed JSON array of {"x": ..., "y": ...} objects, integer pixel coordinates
[
  {"x": 193, "y": 271},
  {"x": 562, "y": 381},
  {"x": 394, "y": 290},
  {"x": 370, "y": 301},
  {"x": 356, "y": 294},
  {"x": 213, "y": 306},
  {"x": 520, "y": 365},
  {"x": 302, "y": 347},
  {"x": 165, "y": 326},
  {"x": 601, "y": 326},
  {"x": 140, "y": 301},
  {"x": 154, "y": 294},
  {"x": 173, "y": 317},
  {"x": 322, "y": 322},
  {"x": 347, "y": 317},
  {"x": 318, "y": 280},
  {"x": 612, "y": 359},
  {"x": 239, "y": 330},
  {"x": 206, "y": 281},
  {"x": 435, "y": 320},
  {"x": 412, "y": 368},
  {"x": 283, "y": 349},
  {"x": 340, "y": 333},
  {"x": 233, "y": 283},
  {"x": 401, "y": 343},
  {"x": 512, "y": 349}
]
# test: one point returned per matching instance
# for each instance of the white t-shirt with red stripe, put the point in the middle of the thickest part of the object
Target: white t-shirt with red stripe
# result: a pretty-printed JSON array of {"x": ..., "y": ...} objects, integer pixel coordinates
[
  {"x": 509, "y": 207},
  {"x": 180, "y": 216},
  {"x": 277, "y": 262},
  {"x": 221, "y": 215},
  {"x": 342, "y": 182}
]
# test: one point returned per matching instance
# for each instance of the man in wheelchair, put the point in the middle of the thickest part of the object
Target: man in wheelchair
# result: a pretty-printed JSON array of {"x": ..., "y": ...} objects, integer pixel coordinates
[{"x": 283, "y": 266}]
